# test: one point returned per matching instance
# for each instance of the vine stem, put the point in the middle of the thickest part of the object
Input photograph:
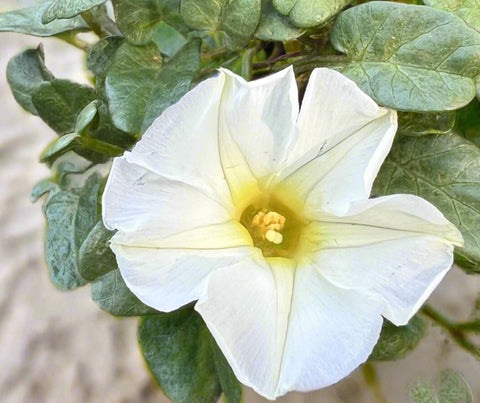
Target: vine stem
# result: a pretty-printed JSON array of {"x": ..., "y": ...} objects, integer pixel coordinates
[
  {"x": 457, "y": 334},
  {"x": 372, "y": 381}
]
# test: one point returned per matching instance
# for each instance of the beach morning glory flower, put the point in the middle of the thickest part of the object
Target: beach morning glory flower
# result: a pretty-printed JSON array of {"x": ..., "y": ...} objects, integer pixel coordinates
[{"x": 258, "y": 210}]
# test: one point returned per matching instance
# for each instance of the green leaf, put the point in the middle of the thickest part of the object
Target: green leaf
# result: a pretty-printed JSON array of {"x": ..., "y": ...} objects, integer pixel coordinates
[
  {"x": 86, "y": 117},
  {"x": 422, "y": 392},
  {"x": 449, "y": 387},
  {"x": 70, "y": 217},
  {"x": 177, "y": 348},
  {"x": 140, "y": 87},
  {"x": 138, "y": 19},
  {"x": 58, "y": 103},
  {"x": 418, "y": 124},
  {"x": 232, "y": 388},
  {"x": 412, "y": 58},
  {"x": 468, "y": 122},
  {"x": 275, "y": 27},
  {"x": 61, "y": 251},
  {"x": 112, "y": 295},
  {"x": 64, "y": 9},
  {"x": 239, "y": 21},
  {"x": 99, "y": 60},
  {"x": 102, "y": 54},
  {"x": 396, "y": 342},
  {"x": 202, "y": 14},
  {"x": 25, "y": 73},
  {"x": 168, "y": 39},
  {"x": 29, "y": 21},
  {"x": 81, "y": 141},
  {"x": 95, "y": 256},
  {"x": 445, "y": 170},
  {"x": 59, "y": 147},
  {"x": 237, "y": 18},
  {"x": 88, "y": 206},
  {"x": 454, "y": 388},
  {"x": 468, "y": 10},
  {"x": 310, "y": 13}
]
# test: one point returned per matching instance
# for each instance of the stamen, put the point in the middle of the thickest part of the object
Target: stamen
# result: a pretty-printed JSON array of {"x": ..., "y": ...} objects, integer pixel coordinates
[{"x": 270, "y": 224}]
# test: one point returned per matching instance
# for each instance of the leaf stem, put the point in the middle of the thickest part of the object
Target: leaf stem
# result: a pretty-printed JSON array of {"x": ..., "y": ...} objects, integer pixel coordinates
[
  {"x": 454, "y": 330},
  {"x": 101, "y": 147},
  {"x": 213, "y": 55},
  {"x": 280, "y": 58},
  {"x": 247, "y": 61},
  {"x": 309, "y": 63},
  {"x": 301, "y": 65},
  {"x": 100, "y": 23},
  {"x": 74, "y": 40}
]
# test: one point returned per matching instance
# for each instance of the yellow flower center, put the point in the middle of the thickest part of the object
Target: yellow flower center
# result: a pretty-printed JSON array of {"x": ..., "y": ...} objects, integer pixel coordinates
[{"x": 274, "y": 227}]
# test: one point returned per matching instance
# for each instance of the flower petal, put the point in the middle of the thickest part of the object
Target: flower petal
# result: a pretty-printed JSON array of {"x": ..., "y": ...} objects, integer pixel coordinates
[
  {"x": 167, "y": 279},
  {"x": 141, "y": 202},
  {"x": 333, "y": 108},
  {"x": 282, "y": 328},
  {"x": 395, "y": 248},
  {"x": 257, "y": 125},
  {"x": 182, "y": 144},
  {"x": 331, "y": 332},
  {"x": 342, "y": 142}
]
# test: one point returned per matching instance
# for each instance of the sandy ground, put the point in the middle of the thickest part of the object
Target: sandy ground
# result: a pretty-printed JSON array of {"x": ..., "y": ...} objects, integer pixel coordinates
[{"x": 60, "y": 347}]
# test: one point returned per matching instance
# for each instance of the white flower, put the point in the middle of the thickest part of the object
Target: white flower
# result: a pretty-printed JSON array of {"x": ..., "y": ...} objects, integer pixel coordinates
[{"x": 235, "y": 198}]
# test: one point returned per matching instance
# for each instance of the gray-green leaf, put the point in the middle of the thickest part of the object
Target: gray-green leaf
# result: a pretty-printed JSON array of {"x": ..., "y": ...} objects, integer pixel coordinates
[
  {"x": 140, "y": 87},
  {"x": 412, "y": 58},
  {"x": 70, "y": 217},
  {"x": 112, "y": 295},
  {"x": 239, "y": 21},
  {"x": 25, "y": 73},
  {"x": 202, "y": 14},
  {"x": 58, "y": 102},
  {"x": 396, "y": 342},
  {"x": 95, "y": 256},
  {"x": 59, "y": 147},
  {"x": 445, "y": 170},
  {"x": 102, "y": 54},
  {"x": 418, "y": 124},
  {"x": 86, "y": 116},
  {"x": 232, "y": 389},
  {"x": 168, "y": 39},
  {"x": 41, "y": 188},
  {"x": 237, "y": 18},
  {"x": 274, "y": 26},
  {"x": 64, "y": 9},
  {"x": 310, "y": 13},
  {"x": 449, "y": 387},
  {"x": 454, "y": 388},
  {"x": 177, "y": 348},
  {"x": 138, "y": 19},
  {"x": 468, "y": 10},
  {"x": 29, "y": 21}
]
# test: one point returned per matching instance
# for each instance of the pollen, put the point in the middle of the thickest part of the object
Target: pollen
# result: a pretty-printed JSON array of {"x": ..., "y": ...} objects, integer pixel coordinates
[{"x": 269, "y": 225}]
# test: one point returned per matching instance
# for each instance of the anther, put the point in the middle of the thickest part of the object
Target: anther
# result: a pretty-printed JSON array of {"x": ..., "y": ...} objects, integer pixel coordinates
[{"x": 270, "y": 224}]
